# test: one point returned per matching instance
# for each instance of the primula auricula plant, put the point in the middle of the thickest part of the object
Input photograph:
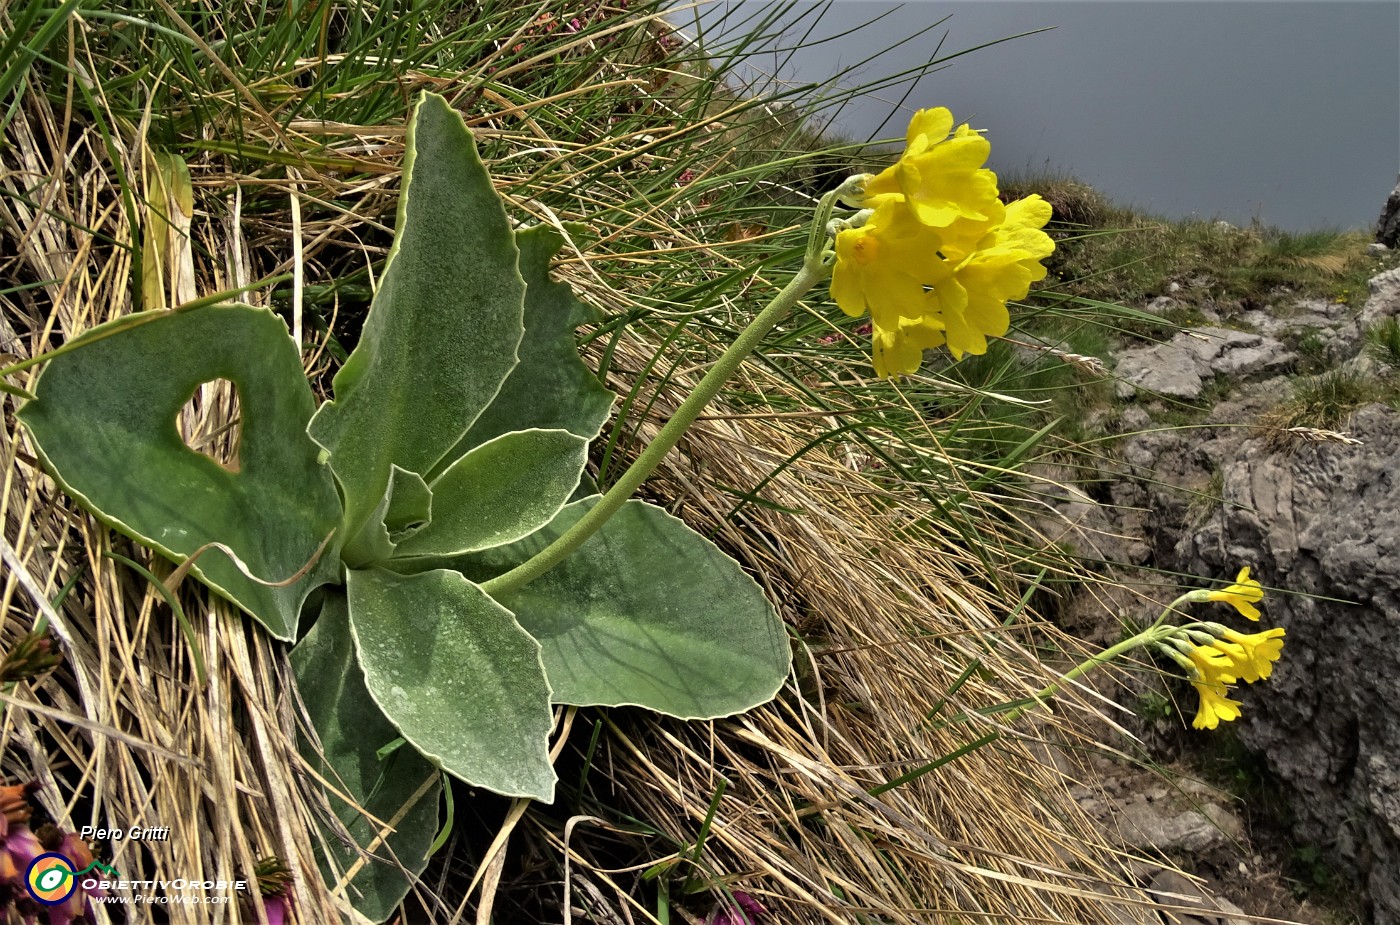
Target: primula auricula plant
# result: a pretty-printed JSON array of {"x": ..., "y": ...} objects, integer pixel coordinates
[{"x": 429, "y": 520}]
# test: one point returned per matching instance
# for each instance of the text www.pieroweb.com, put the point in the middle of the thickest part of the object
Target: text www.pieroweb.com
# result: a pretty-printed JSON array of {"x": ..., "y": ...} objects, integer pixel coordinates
[{"x": 164, "y": 892}]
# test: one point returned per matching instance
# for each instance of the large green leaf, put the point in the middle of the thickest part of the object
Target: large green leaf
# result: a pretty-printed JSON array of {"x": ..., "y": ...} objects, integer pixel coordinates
[
  {"x": 503, "y": 490},
  {"x": 444, "y": 327},
  {"x": 551, "y": 388},
  {"x": 647, "y": 612},
  {"x": 352, "y": 731},
  {"x": 104, "y": 422},
  {"x": 455, "y": 673}
]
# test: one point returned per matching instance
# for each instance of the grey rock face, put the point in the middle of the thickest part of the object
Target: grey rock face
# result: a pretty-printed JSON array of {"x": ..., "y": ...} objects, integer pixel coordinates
[
  {"x": 1322, "y": 521},
  {"x": 1191, "y": 823},
  {"x": 1181, "y": 367},
  {"x": 1384, "y": 301},
  {"x": 1388, "y": 225},
  {"x": 1166, "y": 368}
]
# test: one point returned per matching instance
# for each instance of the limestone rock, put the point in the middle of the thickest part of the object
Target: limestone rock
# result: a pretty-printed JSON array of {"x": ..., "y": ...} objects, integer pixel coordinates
[
  {"x": 1384, "y": 301},
  {"x": 1174, "y": 890},
  {"x": 1321, "y": 520},
  {"x": 1165, "y": 368},
  {"x": 1330, "y": 323},
  {"x": 1189, "y": 822},
  {"x": 1324, "y": 523},
  {"x": 1388, "y": 225},
  {"x": 1180, "y": 367}
]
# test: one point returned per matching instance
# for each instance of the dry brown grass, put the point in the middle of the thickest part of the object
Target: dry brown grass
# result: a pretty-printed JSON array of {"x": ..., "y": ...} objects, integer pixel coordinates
[
  {"x": 123, "y": 734},
  {"x": 888, "y": 629}
]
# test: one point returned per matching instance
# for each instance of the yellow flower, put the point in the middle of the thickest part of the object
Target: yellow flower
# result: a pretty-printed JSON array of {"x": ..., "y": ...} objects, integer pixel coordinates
[
  {"x": 1212, "y": 665},
  {"x": 901, "y": 349},
  {"x": 1253, "y": 653},
  {"x": 1242, "y": 595},
  {"x": 938, "y": 255},
  {"x": 1211, "y": 672},
  {"x": 994, "y": 261},
  {"x": 883, "y": 265},
  {"x": 940, "y": 177},
  {"x": 1215, "y": 705}
]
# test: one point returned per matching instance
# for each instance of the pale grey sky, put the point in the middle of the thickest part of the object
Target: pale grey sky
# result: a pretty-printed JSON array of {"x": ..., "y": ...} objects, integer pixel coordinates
[{"x": 1285, "y": 111}]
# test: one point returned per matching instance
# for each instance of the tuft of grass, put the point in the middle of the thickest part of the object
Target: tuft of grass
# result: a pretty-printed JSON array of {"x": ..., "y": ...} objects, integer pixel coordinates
[
  {"x": 1383, "y": 342},
  {"x": 1074, "y": 203},
  {"x": 1324, "y": 402},
  {"x": 1104, "y": 247}
]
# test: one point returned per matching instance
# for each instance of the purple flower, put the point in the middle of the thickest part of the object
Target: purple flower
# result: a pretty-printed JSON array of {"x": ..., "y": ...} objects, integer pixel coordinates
[
  {"x": 276, "y": 907},
  {"x": 18, "y": 849},
  {"x": 744, "y": 911},
  {"x": 79, "y": 854}
]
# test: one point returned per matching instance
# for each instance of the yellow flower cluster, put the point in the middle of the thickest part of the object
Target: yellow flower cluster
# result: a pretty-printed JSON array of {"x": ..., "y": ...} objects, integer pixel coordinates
[
  {"x": 1223, "y": 656},
  {"x": 938, "y": 254}
]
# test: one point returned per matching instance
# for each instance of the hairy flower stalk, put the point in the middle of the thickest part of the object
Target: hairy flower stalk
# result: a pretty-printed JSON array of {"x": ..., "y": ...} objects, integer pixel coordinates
[
  {"x": 932, "y": 254},
  {"x": 1213, "y": 657},
  {"x": 814, "y": 269}
]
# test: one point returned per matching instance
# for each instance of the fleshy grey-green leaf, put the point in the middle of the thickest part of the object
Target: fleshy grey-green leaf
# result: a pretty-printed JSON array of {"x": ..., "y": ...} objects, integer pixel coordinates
[
  {"x": 444, "y": 326},
  {"x": 648, "y": 613},
  {"x": 503, "y": 490},
  {"x": 455, "y": 673},
  {"x": 404, "y": 510},
  {"x": 551, "y": 388},
  {"x": 352, "y": 730},
  {"x": 104, "y": 421}
]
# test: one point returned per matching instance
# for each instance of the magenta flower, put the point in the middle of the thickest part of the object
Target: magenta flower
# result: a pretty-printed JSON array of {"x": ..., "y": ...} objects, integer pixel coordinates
[
  {"x": 80, "y": 855},
  {"x": 18, "y": 849},
  {"x": 745, "y": 911},
  {"x": 277, "y": 907}
]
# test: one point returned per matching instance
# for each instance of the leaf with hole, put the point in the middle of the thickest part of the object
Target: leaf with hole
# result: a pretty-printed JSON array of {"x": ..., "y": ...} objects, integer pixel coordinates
[{"x": 104, "y": 422}]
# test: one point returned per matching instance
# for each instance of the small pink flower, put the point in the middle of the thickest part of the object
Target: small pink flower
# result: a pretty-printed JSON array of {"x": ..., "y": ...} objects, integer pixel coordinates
[
  {"x": 745, "y": 911},
  {"x": 276, "y": 907},
  {"x": 80, "y": 855},
  {"x": 18, "y": 849}
]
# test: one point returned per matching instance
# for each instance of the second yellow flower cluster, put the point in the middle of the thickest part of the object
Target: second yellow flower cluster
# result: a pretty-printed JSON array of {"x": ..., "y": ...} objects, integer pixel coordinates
[
  {"x": 935, "y": 255},
  {"x": 1217, "y": 656}
]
